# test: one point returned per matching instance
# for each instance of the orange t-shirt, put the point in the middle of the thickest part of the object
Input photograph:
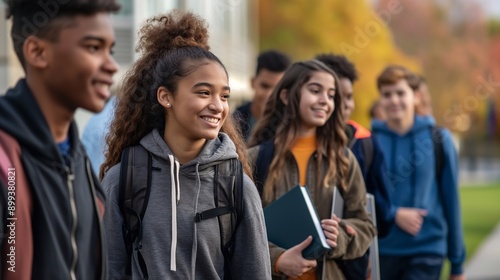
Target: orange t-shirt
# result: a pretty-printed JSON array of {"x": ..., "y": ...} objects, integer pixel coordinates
[{"x": 302, "y": 151}]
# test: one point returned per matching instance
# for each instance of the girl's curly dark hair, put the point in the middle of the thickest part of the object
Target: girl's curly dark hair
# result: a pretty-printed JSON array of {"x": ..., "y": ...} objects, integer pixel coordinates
[{"x": 172, "y": 46}]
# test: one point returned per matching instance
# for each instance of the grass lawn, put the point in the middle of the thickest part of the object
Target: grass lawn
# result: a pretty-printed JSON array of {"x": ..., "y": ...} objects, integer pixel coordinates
[{"x": 480, "y": 215}]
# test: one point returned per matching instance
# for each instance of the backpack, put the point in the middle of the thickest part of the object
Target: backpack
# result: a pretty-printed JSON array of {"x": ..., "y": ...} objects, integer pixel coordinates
[
  {"x": 367, "y": 144},
  {"x": 437, "y": 141},
  {"x": 136, "y": 168}
]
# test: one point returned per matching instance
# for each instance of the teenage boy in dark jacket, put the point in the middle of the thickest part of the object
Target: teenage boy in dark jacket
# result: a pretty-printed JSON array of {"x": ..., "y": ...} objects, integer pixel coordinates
[
  {"x": 271, "y": 65},
  {"x": 54, "y": 231},
  {"x": 371, "y": 162}
]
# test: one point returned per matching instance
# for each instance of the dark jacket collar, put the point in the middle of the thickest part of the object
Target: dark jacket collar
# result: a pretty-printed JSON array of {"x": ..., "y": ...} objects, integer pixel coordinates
[{"x": 22, "y": 118}]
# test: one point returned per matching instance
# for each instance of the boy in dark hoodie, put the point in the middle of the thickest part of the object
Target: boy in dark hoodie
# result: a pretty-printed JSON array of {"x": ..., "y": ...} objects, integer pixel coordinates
[
  {"x": 271, "y": 66},
  {"x": 55, "y": 202},
  {"x": 417, "y": 247}
]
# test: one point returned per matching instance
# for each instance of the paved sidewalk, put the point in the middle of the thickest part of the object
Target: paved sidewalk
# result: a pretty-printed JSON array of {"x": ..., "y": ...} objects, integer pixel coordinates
[{"x": 485, "y": 264}]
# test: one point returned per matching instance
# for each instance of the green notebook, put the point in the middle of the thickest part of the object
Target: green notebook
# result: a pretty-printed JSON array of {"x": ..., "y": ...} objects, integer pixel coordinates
[{"x": 291, "y": 219}]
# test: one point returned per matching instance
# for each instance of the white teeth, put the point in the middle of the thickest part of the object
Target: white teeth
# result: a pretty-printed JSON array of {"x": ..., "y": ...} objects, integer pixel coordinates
[
  {"x": 211, "y": 120},
  {"x": 102, "y": 86}
]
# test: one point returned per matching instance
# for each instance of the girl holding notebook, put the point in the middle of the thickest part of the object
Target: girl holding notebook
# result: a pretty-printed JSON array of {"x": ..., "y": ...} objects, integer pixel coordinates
[{"x": 302, "y": 127}]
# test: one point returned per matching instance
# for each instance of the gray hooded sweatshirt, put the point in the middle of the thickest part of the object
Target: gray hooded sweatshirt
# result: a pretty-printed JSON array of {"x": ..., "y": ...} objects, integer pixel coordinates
[{"x": 174, "y": 246}]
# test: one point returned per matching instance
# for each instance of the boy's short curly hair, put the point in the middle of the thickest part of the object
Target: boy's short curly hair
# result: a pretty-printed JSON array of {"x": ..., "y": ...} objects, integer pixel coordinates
[
  {"x": 340, "y": 65},
  {"x": 45, "y": 19},
  {"x": 273, "y": 60}
]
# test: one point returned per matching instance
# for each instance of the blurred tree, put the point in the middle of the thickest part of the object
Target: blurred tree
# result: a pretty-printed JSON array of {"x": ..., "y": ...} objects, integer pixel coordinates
[
  {"x": 304, "y": 28},
  {"x": 453, "y": 41}
]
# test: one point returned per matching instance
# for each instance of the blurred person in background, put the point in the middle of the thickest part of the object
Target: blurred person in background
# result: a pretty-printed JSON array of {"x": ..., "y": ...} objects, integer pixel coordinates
[
  {"x": 367, "y": 151},
  {"x": 374, "y": 172},
  {"x": 376, "y": 111},
  {"x": 424, "y": 106},
  {"x": 94, "y": 134},
  {"x": 271, "y": 65},
  {"x": 423, "y": 173}
]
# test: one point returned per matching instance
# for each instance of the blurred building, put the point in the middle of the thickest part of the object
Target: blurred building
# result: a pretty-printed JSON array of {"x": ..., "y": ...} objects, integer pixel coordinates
[{"x": 233, "y": 27}]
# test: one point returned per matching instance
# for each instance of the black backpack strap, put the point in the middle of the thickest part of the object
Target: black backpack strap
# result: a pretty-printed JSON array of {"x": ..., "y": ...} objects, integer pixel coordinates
[
  {"x": 368, "y": 151},
  {"x": 228, "y": 199},
  {"x": 351, "y": 142},
  {"x": 135, "y": 170},
  {"x": 262, "y": 164},
  {"x": 437, "y": 141}
]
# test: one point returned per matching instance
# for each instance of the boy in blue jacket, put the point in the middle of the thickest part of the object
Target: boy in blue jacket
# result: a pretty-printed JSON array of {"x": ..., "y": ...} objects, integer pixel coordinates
[{"x": 416, "y": 248}]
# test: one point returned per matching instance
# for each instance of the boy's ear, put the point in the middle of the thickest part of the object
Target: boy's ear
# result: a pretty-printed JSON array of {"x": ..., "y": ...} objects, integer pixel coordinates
[
  {"x": 284, "y": 96},
  {"x": 35, "y": 52},
  {"x": 165, "y": 97},
  {"x": 417, "y": 97},
  {"x": 252, "y": 82}
]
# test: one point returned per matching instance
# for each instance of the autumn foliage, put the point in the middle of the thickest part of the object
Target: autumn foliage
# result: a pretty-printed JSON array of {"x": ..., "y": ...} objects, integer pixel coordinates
[{"x": 451, "y": 43}]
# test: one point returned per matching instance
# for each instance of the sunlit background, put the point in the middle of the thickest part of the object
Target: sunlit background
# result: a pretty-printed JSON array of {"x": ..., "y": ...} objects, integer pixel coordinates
[{"x": 454, "y": 44}]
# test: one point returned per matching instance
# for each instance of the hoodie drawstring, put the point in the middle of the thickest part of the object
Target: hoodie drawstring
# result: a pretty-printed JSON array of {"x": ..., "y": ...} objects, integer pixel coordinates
[{"x": 176, "y": 196}]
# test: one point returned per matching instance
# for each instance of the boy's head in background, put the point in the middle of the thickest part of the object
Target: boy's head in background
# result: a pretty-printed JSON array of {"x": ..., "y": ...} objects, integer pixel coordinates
[
  {"x": 347, "y": 74},
  {"x": 424, "y": 107},
  {"x": 399, "y": 94},
  {"x": 271, "y": 65}
]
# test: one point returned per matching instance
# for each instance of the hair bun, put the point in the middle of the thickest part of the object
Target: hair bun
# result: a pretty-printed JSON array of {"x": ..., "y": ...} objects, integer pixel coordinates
[{"x": 176, "y": 29}]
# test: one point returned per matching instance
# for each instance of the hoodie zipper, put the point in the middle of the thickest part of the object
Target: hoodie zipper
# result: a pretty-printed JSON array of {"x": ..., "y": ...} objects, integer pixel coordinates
[{"x": 70, "y": 178}]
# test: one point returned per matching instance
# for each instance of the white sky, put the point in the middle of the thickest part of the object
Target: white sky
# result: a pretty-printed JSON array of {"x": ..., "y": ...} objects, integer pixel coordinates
[{"x": 491, "y": 7}]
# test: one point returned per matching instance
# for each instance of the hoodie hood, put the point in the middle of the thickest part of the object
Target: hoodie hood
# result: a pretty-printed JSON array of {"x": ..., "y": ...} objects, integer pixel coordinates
[
  {"x": 30, "y": 130},
  {"x": 213, "y": 152},
  {"x": 420, "y": 123},
  {"x": 405, "y": 156}
]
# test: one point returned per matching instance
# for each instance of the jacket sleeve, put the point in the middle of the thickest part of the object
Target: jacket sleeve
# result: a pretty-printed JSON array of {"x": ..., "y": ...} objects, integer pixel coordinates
[
  {"x": 251, "y": 255},
  {"x": 378, "y": 184},
  {"x": 355, "y": 215},
  {"x": 113, "y": 220},
  {"x": 451, "y": 204}
]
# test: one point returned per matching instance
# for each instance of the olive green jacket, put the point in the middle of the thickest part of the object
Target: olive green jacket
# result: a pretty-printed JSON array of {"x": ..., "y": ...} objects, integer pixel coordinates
[{"x": 355, "y": 215}]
